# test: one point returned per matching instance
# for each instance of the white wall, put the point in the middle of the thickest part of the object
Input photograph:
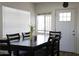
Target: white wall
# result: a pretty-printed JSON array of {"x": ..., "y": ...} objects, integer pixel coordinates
[
  {"x": 77, "y": 29},
  {"x": 46, "y": 7},
  {"x": 0, "y": 21},
  {"x": 25, "y": 6}
]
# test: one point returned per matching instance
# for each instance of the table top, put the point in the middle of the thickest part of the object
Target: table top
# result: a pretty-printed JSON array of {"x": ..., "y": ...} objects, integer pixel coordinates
[{"x": 28, "y": 42}]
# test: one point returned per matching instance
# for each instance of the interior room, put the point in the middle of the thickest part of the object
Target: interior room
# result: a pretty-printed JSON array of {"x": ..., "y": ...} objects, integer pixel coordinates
[{"x": 37, "y": 20}]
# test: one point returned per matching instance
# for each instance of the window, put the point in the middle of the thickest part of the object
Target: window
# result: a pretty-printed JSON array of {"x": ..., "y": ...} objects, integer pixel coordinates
[
  {"x": 40, "y": 23},
  {"x": 43, "y": 23},
  {"x": 66, "y": 16},
  {"x": 48, "y": 22}
]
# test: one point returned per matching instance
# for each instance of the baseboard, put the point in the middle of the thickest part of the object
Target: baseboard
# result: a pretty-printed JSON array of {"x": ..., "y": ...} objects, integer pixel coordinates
[{"x": 70, "y": 52}]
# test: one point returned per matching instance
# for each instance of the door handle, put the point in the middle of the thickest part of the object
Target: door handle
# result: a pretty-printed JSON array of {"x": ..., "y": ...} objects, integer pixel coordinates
[
  {"x": 73, "y": 31},
  {"x": 73, "y": 34}
]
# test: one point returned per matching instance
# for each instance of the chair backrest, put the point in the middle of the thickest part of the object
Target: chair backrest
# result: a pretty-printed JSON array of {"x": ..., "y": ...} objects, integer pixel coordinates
[
  {"x": 15, "y": 36},
  {"x": 54, "y": 41},
  {"x": 26, "y": 35},
  {"x": 55, "y": 34}
]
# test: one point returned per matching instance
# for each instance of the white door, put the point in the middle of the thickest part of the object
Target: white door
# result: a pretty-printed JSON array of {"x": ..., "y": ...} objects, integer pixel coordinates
[{"x": 65, "y": 22}]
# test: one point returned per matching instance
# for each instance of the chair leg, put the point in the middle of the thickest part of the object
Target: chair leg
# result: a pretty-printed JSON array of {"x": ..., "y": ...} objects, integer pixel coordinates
[
  {"x": 9, "y": 52},
  {"x": 58, "y": 53}
]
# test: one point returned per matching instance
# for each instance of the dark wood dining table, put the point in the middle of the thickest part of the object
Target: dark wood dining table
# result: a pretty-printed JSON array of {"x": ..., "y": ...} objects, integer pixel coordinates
[{"x": 27, "y": 45}]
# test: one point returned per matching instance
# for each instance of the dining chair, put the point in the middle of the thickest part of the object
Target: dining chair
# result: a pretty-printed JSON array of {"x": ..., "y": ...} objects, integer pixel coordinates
[
  {"x": 26, "y": 35},
  {"x": 54, "y": 43},
  {"x": 15, "y": 38},
  {"x": 4, "y": 48},
  {"x": 55, "y": 34}
]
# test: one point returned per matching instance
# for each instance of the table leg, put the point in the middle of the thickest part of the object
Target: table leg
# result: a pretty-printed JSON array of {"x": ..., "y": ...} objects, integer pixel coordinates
[{"x": 32, "y": 52}]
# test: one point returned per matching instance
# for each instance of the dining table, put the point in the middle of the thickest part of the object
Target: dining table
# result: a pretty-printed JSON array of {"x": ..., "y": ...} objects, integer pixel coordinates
[
  {"x": 31, "y": 45},
  {"x": 28, "y": 44}
]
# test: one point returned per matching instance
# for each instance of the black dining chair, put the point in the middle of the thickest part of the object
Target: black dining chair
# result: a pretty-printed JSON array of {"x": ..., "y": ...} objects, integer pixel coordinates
[
  {"x": 26, "y": 35},
  {"x": 4, "y": 48},
  {"x": 54, "y": 43},
  {"x": 55, "y": 34},
  {"x": 15, "y": 38}
]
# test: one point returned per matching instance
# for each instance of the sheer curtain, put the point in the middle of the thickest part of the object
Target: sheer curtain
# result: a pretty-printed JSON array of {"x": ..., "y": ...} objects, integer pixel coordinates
[
  {"x": 43, "y": 23},
  {"x": 43, "y": 26}
]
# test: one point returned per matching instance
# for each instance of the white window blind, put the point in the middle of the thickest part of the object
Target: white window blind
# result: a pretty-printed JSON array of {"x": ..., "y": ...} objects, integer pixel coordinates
[{"x": 15, "y": 21}]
